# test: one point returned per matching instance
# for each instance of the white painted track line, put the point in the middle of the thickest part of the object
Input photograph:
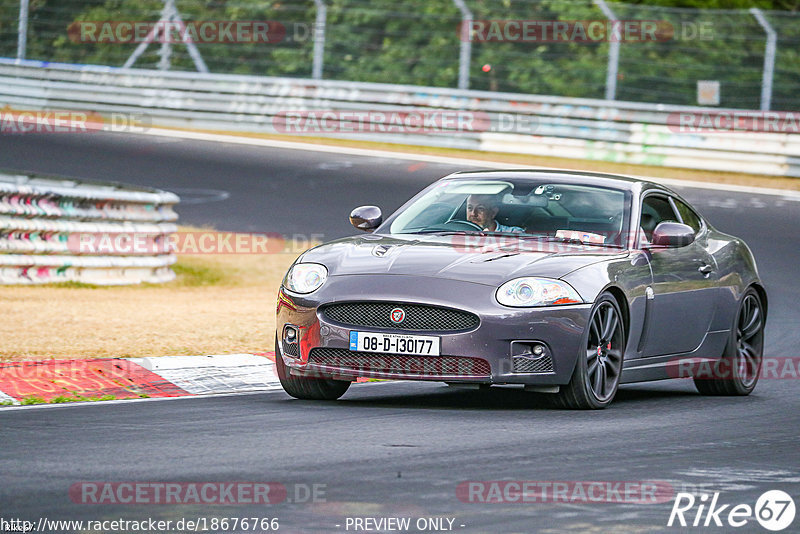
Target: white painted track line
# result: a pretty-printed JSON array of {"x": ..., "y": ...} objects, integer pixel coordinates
[{"x": 448, "y": 160}]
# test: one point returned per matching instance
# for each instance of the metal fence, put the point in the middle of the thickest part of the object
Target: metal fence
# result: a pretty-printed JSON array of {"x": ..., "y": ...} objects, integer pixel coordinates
[
  {"x": 751, "y": 58},
  {"x": 57, "y": 230},
  {"x": 625, "y": 132}
]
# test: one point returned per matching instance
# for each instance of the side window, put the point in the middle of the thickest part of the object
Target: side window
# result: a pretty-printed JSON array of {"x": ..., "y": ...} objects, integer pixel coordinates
[
  {"x": 689, "y": 217},
  {"x": 655, "y": 209}
]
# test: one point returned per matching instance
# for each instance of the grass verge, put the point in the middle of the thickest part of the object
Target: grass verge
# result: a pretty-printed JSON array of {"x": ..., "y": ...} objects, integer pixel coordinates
[{"x": 218, "y": 304}]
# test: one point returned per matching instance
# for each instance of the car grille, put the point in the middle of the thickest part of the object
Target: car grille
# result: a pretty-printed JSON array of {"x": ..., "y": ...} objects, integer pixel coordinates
[
  {"x": 525, "y": 364},
  {"x": 417, "y": 317},
  {"x": 395, "y": 364},
  {"x": 291, "y": 349}
]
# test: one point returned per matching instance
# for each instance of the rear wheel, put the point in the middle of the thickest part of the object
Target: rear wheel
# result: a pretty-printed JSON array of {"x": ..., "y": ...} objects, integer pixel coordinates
[
  {"x": 736, "y": 373},
  {"x": 308, "y": 388},
  {"x": 597, "y": 372}
]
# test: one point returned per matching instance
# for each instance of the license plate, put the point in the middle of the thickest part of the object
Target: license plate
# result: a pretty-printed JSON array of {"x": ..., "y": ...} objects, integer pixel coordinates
[{"x": 394, "y": 343}]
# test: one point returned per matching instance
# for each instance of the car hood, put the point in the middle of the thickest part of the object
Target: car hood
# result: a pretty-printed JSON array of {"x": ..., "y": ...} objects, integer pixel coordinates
[{"x": 489, "y": 260}]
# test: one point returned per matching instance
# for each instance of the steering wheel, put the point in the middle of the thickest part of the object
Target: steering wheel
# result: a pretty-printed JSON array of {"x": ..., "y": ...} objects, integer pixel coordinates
[{"x": 456, "y": 225}]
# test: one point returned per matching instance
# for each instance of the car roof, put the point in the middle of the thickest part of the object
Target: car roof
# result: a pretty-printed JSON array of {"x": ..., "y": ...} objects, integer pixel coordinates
[{"x": 619, "y": 181}]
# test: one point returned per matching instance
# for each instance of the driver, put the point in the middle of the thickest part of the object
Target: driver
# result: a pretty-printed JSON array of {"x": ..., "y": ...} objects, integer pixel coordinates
[{"x": 482, "y": 210}]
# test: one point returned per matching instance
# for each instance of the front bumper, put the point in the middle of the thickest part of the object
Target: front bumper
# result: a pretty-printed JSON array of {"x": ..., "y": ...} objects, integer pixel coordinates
[{"x": 503, "y": 335}]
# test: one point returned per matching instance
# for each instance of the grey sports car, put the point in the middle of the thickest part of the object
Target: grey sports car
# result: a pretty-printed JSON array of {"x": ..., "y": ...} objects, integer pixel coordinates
[{"x": 563, "y": 282}]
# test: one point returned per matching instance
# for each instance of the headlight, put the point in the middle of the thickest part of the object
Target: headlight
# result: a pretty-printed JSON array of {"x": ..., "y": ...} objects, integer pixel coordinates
[
  {"x": 529, "y": 291},
  {"x": 305, "y": 277}
]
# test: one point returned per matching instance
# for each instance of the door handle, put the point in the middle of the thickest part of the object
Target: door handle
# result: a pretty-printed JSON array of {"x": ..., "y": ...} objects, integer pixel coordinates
[{"x": 706, "y": 269}]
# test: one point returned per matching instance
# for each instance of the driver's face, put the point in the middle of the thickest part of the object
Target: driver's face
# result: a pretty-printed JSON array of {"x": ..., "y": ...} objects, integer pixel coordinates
[{"x": 480, "y": 211}]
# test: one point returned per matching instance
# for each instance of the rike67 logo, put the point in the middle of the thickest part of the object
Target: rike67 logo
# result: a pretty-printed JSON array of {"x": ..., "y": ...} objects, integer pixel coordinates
[{"x": 774, "y": 510}]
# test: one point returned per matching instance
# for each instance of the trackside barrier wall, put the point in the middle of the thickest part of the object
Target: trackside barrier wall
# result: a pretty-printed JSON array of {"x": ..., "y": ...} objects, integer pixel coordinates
[
  {"x": 625, "y": 132},
  {"x": 42, "y": 220}
]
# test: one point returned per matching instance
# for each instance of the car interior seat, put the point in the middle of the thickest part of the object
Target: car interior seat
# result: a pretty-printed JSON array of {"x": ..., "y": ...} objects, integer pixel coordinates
[{"x": 648, "y": 223}]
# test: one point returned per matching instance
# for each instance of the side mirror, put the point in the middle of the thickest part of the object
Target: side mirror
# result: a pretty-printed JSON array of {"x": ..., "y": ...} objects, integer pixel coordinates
[
  {"x": 672, "y": 235},
  {"x": 366, "y": 218}
]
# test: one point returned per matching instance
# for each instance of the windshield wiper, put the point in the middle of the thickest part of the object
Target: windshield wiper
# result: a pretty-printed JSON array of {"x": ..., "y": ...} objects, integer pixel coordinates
[
  {"x": 575, "y": 241},
  {"x": 570, "y": 240},
  {"x": 450, "y": 232}
]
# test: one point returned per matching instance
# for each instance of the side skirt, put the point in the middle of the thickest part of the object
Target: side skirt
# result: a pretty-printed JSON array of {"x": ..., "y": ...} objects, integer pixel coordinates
[{"x": 669, "y": 365}]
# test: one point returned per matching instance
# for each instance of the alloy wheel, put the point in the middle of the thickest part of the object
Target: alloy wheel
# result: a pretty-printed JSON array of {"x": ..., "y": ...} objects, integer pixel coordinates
[{"x": 604, "y": 351}]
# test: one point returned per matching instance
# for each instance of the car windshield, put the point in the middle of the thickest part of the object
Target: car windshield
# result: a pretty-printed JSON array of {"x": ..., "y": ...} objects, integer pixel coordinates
[{"x": 560, "y": 211}]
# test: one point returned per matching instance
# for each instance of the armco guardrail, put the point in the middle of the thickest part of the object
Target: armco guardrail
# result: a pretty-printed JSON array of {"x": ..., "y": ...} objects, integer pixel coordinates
[
  {"x": 624, "y": 132},
  {"x": 58, "y": 230}
]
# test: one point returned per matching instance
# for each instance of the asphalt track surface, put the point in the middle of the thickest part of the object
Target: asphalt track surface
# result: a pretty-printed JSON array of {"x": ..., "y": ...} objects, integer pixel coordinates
[{"x": 397, "y": 449}]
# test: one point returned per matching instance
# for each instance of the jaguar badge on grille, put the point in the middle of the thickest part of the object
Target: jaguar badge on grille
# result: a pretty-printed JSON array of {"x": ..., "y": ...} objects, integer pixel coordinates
[{"x": 398, "y": 315}]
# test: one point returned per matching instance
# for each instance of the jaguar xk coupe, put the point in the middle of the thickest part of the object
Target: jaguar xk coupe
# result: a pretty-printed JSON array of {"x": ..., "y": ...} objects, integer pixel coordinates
[{"x": 563, "y": 282}]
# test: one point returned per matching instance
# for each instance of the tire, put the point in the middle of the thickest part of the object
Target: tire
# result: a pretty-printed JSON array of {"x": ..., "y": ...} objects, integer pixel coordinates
[
  {"x": 595, "y": 380},
  {"x": 308, "y": 388},
  {"x": 736, "y": 373}
]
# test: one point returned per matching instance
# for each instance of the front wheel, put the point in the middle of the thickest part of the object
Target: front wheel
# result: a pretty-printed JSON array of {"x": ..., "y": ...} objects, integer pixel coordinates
[
  {"x": 308, "y": 388},
  {"x": 736, "y": 373},
  {"x": 598, "y": 370}
]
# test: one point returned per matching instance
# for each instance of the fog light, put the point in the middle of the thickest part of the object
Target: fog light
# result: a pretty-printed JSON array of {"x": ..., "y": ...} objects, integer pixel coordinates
[
  {"x": 291, "y": 337},
  {"x": 534, "y": 349},
  {"x": 532, "y": 357},
  {"x": 290, "y": 334}
]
